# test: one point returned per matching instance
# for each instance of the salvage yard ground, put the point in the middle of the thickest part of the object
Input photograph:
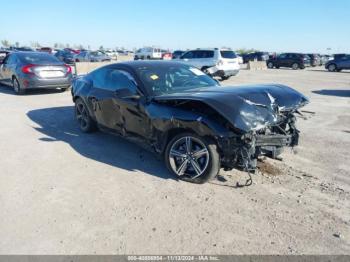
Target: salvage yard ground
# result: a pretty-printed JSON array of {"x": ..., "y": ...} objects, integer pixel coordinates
[{"x": 64, "y": 192}]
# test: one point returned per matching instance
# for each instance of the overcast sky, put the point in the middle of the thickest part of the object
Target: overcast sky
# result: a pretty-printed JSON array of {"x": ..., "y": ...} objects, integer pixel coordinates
[{"x": 270, "y": 25}]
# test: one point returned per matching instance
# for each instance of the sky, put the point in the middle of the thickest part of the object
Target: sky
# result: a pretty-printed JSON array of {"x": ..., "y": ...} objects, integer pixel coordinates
[{"x": 321, "y": 26}]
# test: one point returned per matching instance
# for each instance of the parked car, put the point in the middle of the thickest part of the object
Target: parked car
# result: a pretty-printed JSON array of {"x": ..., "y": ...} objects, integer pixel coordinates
[
  {"x": 185, "y": 116},
  {"x": 92, "y": 56},
  {"x": 338, "y": 64},
  {"x": 73, "y": 51},
  {"x": 255, "y": 56},
  {"x": 112, "y": 54},
  {"x": 177, "y": 54},
  {"x": 214, "y": 62},
  {"x": 148, "y": 53},
  {"x": 167, "y": 56},
  {"x": 65, "y": 56},
  {"x": 325, "y": 59},
  {"x": 23, "y": 48},
  {"x": 292, "y": 60},
  {"x": 315, "y": 60},
  {"x": 29, "y": 70},
  {"x": 45, "y": 49}
]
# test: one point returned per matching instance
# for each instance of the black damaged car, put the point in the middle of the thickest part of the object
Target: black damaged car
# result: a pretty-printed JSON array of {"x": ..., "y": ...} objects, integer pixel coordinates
[{"x": 187, "y": 117}]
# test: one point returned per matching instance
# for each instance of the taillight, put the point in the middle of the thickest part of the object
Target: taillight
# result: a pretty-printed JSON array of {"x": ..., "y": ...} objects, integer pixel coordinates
[
  {"x": 28, "y": 69},
  {"x": 69, "y": 69},
  {"x": 220, "y": 63}
]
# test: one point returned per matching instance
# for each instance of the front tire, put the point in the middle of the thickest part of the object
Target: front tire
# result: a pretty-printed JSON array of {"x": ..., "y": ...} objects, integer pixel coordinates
[
  {"x": 86, "y": 123},
  {"x": 192, "y": 158},
  {"x": 270, "y": 65},
  {"x": 332, "y": 68},
  {"x": 17, "y": 87}
]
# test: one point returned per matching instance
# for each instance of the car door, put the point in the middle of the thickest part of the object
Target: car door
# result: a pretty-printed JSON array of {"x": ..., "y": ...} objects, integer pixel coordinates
[
  {"x": 282, "y": 60},
  {"x": 101, "y": 97},
  {"x": 132, "y": 120}
]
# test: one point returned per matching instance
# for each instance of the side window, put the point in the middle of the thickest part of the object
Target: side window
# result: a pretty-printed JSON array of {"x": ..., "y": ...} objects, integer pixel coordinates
[
  {"x": 120, "y": 79},
  {"x": 114, "y": 79},
  {"x": 188, "y": 55},
  {"x": 282, "y": 56}
]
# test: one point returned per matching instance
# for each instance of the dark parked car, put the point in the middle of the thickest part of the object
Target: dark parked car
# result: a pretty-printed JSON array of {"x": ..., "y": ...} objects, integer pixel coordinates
[
  {"x": 184, "y": 115},
  {"x": 23, "y": 48},
  {"x": 28, "y": 70},
  {"x": 65, "y": 56},
  {"x": 256, "y": 56},
  {"x": 177, "y": 54},
  {"x": 292, "y": 60},
  {"x": 91, "y": 56},
  {"x": 315, "y": 59},
  {"x": 45, "y": 49},
  {"x": 338, "y": 64}
]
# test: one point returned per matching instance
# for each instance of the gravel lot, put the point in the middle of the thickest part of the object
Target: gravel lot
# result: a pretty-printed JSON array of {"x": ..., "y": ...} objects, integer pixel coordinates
[{"x": 64, "y": 192}]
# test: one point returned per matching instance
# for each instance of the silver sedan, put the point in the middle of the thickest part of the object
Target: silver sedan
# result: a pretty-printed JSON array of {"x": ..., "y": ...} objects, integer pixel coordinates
[{"x": 29, "y": 70}]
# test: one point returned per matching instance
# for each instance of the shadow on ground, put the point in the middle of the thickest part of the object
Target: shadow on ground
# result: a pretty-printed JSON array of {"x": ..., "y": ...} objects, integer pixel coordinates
[
  {"x": 9, "y": 91},
  {"x": 58, "y": 124},
  {"x": 332, "y": 92}
]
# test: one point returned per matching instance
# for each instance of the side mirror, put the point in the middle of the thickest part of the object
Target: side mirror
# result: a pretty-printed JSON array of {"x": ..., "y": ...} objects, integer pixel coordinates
[{"x": 126, "y": 93}]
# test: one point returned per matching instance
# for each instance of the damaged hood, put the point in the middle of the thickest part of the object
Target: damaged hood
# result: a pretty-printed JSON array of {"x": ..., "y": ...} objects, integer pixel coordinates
[{"x": 245, "y": 107}]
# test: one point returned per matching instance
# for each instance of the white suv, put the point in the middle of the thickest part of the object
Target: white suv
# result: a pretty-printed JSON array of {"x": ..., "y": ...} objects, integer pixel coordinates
[
  {"x": 148, "y": 53},
  {"x": 215, "y": 62}
]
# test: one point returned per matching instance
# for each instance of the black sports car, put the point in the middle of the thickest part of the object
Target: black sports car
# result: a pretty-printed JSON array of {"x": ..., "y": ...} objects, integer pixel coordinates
[{"x": 185, "y": 115}]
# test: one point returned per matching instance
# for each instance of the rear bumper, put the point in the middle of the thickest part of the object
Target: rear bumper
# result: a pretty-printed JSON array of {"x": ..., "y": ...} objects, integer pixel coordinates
[
  {"x": 224, "y": 70},
  {"x": 32, "y": 83}
]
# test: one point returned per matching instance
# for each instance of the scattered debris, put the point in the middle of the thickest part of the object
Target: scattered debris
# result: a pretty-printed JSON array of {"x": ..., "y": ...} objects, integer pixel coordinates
[
  {"x": 337, "y": 235},
  {"x": 268, "y": 169}
]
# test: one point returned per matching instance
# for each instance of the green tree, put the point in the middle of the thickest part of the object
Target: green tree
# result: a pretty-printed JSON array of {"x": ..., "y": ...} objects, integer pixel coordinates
[
  {"x": 5, "y": 43},
  {"x": 17, "y": 44}
]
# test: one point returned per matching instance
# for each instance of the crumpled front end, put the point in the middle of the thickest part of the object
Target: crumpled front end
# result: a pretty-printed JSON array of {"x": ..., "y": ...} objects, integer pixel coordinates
[{"x": 242, "y": 151}]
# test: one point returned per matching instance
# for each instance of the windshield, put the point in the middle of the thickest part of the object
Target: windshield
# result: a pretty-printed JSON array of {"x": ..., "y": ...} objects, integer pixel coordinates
[
  {"x": 37, "y": 58},
  {"x": 166, "y": 79}
]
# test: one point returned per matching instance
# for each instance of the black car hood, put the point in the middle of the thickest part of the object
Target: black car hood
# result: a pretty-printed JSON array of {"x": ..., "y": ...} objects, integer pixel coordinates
[{"x": 245, "y": 107}]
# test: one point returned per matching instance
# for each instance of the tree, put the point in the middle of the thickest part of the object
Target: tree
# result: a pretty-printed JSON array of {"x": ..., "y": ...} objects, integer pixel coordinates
[
  {"x": 245, "y": 50},
  {"x": 101, "y": 48},
  {"x": 17, "y": 44},
  {"x": 5, "y": 43},
  {"x": 56, "y": 45},
  {"x": 67, "y": 45}
]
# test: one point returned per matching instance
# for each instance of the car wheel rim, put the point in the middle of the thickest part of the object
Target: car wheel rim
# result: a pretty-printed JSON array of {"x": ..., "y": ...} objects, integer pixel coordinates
[
  {"x": 188, "y": 156},
  {"x": 270, "y": 65},
  {"x": 82, "y": 115},
  {"x": 332, "y": 67},
  {"x": 295, "y": 66}
]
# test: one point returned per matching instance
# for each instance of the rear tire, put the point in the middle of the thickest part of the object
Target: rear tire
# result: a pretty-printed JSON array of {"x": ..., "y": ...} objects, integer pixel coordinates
[
  {"x": 17, "y": 87},
  {"x": 86, "y": 123},
  {"x": 270, "y": 65},
  {"x": 332, "y": 68},
  {"x": 295, "y": 66},
  {"x": 192, "y": 158},
  {"x": 223, "y": 78}
]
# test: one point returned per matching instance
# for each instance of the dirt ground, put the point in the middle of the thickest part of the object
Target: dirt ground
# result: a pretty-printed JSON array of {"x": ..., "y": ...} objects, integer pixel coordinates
[{"x": 65, "y": 192}]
